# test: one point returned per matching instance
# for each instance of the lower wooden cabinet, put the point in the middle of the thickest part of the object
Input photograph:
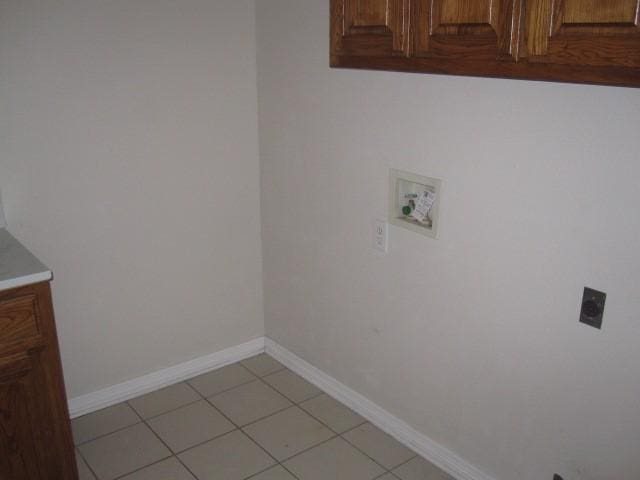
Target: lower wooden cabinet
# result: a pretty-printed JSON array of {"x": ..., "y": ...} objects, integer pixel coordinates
[{"x": 35, "y": 433}]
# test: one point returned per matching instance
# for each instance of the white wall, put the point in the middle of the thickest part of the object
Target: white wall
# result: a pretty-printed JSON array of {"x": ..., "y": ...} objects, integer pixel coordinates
[
  {"x": 474, "y": 338},
  {"x": 2, "y": 220},
  {"x": 129, "y": 165}
]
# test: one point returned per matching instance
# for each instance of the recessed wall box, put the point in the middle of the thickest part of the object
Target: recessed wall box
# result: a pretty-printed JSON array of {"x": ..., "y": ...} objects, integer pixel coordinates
[{"x": 414, "y": 202}]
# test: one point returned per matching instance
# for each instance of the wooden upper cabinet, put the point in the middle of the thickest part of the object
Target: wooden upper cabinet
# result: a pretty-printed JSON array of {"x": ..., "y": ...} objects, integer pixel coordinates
[
  {"x": 370, "y": 27},
  {"x": 584, "y": 32},
  {"x": 590, "y": 41},
  {"x": 466, "y": 29}
]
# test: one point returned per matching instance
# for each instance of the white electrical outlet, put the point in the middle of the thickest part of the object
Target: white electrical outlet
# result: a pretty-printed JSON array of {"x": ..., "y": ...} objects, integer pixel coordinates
[{"x": 381, "y": 235}]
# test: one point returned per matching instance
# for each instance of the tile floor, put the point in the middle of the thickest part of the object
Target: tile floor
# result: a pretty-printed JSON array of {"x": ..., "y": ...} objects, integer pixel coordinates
[{"x": 250, "y": 420}]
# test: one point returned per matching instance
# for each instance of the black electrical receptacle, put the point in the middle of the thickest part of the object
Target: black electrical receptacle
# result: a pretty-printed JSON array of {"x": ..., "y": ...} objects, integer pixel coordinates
[{"x": 592, "y": 307}]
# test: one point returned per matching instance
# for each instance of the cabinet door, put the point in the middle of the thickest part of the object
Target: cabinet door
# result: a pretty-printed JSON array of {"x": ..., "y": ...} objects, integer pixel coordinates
[
  {"x": 377, "y": 28},
  {"x": 35, "y": 435},
  {"x": 22, "y": 440},
  {"x": 596, "y": 33},
  {"x": 467, "y": 29}
]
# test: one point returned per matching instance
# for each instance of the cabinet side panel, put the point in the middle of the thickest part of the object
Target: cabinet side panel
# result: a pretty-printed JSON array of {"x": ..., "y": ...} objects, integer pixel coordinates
[{"x": 57, "y": 397}]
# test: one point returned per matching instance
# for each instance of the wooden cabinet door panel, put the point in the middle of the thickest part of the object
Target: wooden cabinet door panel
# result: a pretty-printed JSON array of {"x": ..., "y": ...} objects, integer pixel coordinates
[
  {"x": 35, "y": 434},
  {"x": 22, "y": 441},
  {"x": 467, "y": 29},
  {"x": 18, "y": 319},
  {"x": 584, "y": 32},
  {"x": 370, "y": 27}
]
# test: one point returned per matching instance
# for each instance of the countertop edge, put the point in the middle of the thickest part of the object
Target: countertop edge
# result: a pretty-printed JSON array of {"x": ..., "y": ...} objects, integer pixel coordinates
[
  {"x": 18, "y": 266},
  {"x": 26, "y": 280}
]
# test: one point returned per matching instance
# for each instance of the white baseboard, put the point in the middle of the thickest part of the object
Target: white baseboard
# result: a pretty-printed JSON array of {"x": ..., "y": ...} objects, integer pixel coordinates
[
  {"x": 163, "y": 378},
  {"x": 401, "y": 431}
]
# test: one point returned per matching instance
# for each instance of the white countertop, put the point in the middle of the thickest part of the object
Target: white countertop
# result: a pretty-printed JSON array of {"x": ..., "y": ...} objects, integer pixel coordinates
[{"x": 18, "y": 266}]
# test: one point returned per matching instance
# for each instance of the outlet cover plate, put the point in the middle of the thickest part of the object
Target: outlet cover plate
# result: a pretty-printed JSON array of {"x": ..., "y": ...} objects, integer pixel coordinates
[
  {"x": 381, "y": 235},
  {"x": 592, "y": 308}
]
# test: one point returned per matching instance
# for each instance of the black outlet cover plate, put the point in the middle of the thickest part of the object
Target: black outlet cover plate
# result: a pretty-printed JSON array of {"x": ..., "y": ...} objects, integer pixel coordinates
[{"x": 592, "y": 307}]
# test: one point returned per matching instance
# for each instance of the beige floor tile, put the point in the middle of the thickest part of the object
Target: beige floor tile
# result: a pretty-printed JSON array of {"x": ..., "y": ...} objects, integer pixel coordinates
[
  {"x": 387, "y": 476},
  {"x": 102, "y": 422},
  {"x": 190, "y": 425},
  {"x": 123, "y": 452},
  {"x": 335, "y": 459},
  {"x": 83, "y": 470},
  {"x": 420, "y": 469},
  {"x": 250, "y": 402},
  {"x": 274, "y": 473},
  {"x": 222, "y": 379},
  {"x": 162, "y": 401},
  {"x": 230, "y": 457},
  {"x": 288, "y": 432},
  {"x": 169, "y": 469},
  {"x": 383, "y": 448},
  {"x": 262, "y": 364},
  {"x": 292, "y": 386},
  {"x": 332, "y": 413}
]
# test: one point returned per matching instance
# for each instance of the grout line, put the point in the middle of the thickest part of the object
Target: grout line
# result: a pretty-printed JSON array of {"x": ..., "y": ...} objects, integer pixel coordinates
[
  {"x": 370, "y": 457},
  {"x": 364, "y": 420},
  {"x": 185, "y": 466},
  {"x": 264, "y": 374},
  {"x": 143, "y": 467},
  {"x": 267, "y": 416},
  {"x": 199, "y": 444},
  {"x": 186, "y": 382},
  {"x": 169, "y": 448},
  {"x": 107, "y": 434},
  {"x": 226, "y": 389},
  {"x": 257, "y": 419},
  {"x": 403, "y": 463},
  {"x": 363, "y": 452},
  {"x": 289, "y": 471},
  {"x": 254, "y": 475},
  {"x": 307, "y": 449},
  {"x": 160, "y": 439},
  {"x": 284, "y": 395},
  {"x": 387, "y": 473},
  {"x": 172, "y": 410},
  {"x": 78, "y": 452}
]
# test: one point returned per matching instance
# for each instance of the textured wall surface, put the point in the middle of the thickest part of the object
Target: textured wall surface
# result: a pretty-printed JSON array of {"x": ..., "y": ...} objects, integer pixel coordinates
[
  {"x": 129, "y": 165},
  {"x": 473, "y": 338}
]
